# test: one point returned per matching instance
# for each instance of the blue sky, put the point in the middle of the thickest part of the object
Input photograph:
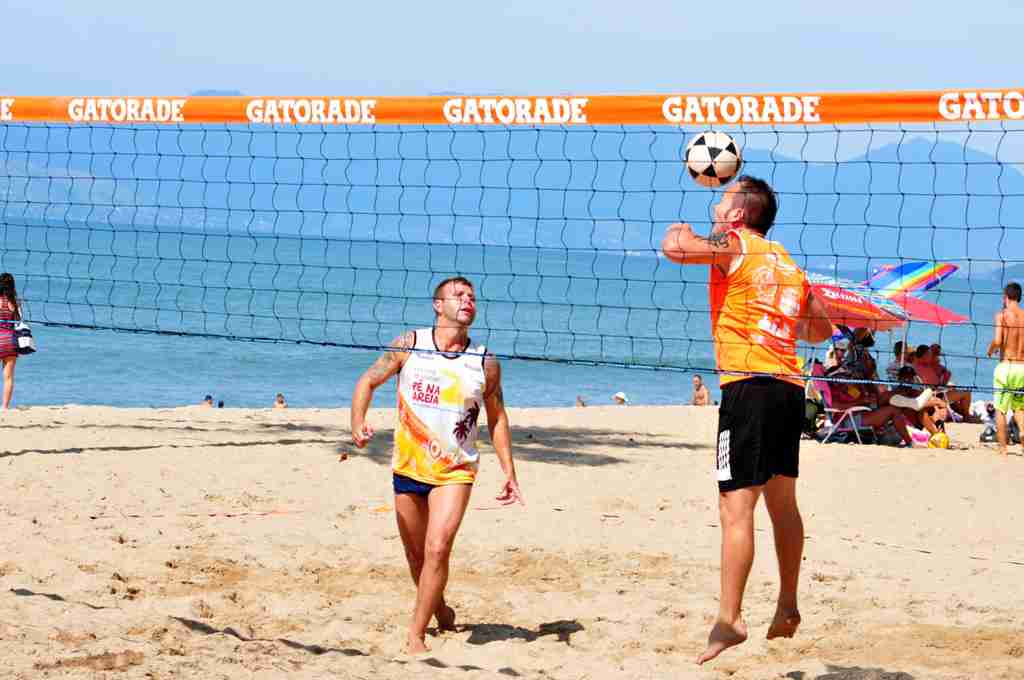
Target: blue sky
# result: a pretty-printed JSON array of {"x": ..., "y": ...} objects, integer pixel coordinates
[{"x": 531, "y": 46}]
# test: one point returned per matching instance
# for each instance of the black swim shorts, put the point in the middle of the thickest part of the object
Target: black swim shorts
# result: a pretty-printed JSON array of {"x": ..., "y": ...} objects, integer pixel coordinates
[{"x": 759, "y": 426}]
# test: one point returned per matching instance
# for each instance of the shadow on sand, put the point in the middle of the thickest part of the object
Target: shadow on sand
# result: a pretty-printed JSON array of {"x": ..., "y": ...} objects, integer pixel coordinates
[{"x": 851, "y": 673}]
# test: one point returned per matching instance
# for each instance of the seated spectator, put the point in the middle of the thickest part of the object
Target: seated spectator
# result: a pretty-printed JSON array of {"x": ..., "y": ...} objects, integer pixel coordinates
[
  {"x": 701, "y": 396},
  {"x": 921, "y": 407},
  {"x": 620, "y": 398},
  {"x": 207, "y": 401},
  {"x": 579, "y": 401},
  {"x": 836, "y": 352},
  {"x": 856, "y": 364},
  {"x": 279, "y": 401},
  {"x": 879, "y": 417}
]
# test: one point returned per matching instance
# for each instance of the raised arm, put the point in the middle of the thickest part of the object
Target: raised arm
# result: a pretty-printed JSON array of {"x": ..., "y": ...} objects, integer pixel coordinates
[
  {"x": 501, "y": 433},
  {"x": 683, "y": 246},
  {"x": 997, "y": 340},
  {"x": 814, "y": 326},
  {"x": 388, "y": 364}
]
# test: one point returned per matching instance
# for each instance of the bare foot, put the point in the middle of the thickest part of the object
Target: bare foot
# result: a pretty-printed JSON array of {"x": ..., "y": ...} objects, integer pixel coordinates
[
  {"x": 445, "y": 616},
  {"x": 784, "y": 624},
  {"x": 415, "y": 644},
  {"x": 722, "y": 637}
]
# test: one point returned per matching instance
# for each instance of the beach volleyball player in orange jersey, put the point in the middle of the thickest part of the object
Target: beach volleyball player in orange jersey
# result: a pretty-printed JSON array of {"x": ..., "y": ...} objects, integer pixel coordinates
[
  {"x": 760, "y": 305},
  {"x": 443, "y": 380}
]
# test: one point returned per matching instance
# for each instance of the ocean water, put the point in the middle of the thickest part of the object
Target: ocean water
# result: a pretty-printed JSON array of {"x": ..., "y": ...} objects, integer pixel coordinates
[
  {"x": 91, "y": 366},
  {"x": 574, "y": 309},
  {"x": 259, "y": 260},
  {"x": 103, "y": 367}
]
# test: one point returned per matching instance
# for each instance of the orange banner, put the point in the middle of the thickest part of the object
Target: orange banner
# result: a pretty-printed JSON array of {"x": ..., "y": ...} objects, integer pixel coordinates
[{"x": 665, "y": 109}]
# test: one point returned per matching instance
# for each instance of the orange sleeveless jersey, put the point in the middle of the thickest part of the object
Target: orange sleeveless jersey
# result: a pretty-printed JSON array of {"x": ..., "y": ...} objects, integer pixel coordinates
[{"x": 754, "y": 311}]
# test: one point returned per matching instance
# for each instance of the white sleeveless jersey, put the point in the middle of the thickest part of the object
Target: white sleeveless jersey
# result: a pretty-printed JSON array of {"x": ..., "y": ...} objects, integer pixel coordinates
[{"x": 439, "y": 401}]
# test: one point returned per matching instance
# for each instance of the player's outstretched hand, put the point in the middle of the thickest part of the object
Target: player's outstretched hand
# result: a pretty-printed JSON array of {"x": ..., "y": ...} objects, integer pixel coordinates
[{"x": 510, "y": 493}]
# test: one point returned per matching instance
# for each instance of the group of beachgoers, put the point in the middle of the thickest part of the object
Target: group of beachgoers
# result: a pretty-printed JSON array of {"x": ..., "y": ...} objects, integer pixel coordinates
[
  {"x": 700, "y": 396},
  {"x": 278, "y": 403},
  {"x": 918, "y": 395}
]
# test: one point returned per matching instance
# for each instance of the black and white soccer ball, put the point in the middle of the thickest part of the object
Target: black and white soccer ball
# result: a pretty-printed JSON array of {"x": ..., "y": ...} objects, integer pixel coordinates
[{"x": 713, "y": 159}]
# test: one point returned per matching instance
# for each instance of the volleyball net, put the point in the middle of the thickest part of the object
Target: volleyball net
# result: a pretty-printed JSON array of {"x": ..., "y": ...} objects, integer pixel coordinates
[{"x": 329, "y": 220}]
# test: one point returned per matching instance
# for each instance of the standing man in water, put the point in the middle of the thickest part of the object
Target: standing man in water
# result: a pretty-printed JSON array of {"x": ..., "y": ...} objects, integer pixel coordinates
[
  {"x": 760, "y": 305},
  {"x": 1008, "y": 379},
  {"x": 443, "y": 381}
]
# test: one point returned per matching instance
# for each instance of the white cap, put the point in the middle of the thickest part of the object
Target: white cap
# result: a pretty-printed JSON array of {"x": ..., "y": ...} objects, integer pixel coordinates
[{"x": 620, "y": 395}]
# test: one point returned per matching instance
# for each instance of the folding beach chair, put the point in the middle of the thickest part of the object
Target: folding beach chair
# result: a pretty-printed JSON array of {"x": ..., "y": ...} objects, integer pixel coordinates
[{"x": 839, "y": 420}]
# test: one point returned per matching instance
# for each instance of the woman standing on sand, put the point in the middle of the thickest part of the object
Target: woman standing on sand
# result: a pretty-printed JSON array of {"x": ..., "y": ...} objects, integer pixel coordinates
[{"x": 10, "y": 312}]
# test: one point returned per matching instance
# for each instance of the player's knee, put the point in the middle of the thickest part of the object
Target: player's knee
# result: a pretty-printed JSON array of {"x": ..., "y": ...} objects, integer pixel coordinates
[
  {"x": 734, "y": 513},
  {"x": 438, "y": 549}
]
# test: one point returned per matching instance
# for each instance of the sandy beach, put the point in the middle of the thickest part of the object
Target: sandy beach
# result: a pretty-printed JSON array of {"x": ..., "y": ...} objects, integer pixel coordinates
[{"x": 208, "y": 543}]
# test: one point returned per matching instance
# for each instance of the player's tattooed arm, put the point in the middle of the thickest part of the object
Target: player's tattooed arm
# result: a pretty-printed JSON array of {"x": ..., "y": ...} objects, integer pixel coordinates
[
  {"x": 718, "y": 240},
  {"x": 683, "y": 246},
  {"x": 387, "y": 364},
  {"x": 390, "y": 362}
]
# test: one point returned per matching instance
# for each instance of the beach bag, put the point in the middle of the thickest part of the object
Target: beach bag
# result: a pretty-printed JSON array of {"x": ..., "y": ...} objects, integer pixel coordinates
[{"x": 23, "y": 338}]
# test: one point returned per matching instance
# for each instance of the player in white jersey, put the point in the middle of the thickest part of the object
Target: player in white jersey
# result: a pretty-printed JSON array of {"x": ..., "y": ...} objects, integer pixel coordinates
[{"x": 443, "y": 379}]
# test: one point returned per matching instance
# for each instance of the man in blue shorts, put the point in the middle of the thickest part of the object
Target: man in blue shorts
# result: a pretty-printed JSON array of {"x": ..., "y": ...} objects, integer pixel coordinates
[{"x": 444, "y": 382}]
